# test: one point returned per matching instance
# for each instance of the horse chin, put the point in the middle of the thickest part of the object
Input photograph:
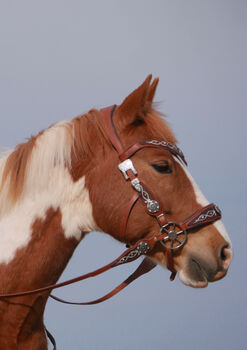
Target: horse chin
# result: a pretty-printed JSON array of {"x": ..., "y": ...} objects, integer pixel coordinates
[
  {"x": 193, "y": 275},
  {"x": 188, "y": 281}
]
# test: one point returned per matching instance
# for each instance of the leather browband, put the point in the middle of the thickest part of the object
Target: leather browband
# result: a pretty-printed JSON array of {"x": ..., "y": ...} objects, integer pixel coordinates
[{"x": 151, "y": 144}]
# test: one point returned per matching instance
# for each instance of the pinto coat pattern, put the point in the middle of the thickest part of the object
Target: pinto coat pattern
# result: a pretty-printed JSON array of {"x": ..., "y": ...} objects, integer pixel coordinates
[{"x": 64, "y": 183}]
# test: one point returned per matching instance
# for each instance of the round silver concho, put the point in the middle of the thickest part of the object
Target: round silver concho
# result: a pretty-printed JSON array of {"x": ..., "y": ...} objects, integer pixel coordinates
[
  {"x": 153, "y": 206},
  {"x": 143, "y": 247}
]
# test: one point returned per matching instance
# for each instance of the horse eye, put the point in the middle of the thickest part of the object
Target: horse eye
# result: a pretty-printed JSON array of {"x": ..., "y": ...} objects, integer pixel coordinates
[{"x": 162, "y": 168}]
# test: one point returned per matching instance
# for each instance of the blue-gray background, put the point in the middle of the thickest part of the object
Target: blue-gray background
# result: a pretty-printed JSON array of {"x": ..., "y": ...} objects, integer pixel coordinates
[{"x": 60, "y": 58}]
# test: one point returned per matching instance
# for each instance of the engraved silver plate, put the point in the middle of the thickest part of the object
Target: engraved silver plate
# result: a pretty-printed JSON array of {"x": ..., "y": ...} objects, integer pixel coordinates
[
  {"x": 153, "y": 206},
  {"x": 125, "y": 166},
  {"x": 136, "y": 184}
]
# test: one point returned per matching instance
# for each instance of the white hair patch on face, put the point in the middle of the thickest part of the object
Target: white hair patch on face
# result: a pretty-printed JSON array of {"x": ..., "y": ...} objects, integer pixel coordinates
[{"x": 201, "y": 199}]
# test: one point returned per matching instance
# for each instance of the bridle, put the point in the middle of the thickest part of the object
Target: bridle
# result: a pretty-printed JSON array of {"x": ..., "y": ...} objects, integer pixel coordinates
[
  {"x": 172, "y": 235},
  {"x": 170, "y": 232}
]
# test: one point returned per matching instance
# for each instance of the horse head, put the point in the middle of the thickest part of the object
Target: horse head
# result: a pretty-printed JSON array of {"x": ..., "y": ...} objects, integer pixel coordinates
[{"x": 207, "y": 253}]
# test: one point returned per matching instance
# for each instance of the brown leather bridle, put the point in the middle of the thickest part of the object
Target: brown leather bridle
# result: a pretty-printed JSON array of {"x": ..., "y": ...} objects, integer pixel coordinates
[{"x": 170, "y": 232}]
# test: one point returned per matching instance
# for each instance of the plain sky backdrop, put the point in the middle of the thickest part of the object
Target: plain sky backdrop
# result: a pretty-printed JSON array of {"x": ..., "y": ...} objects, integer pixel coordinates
[{"x": 59, "y": 59}]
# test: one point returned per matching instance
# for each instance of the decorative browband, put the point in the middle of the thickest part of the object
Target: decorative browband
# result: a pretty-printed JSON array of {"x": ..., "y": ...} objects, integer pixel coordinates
[{"x": 168, "y": 146}]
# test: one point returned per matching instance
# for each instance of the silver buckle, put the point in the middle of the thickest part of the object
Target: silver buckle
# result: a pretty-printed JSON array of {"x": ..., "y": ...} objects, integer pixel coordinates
[{"x": 125, "y": 166}]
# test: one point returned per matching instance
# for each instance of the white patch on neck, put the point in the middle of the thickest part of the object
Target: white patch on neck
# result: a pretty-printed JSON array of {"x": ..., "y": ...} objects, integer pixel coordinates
[
  {"x": 61, "y": 192},
  {"x": 201, "y": 199},
  {"x": 48, "y": 184}
]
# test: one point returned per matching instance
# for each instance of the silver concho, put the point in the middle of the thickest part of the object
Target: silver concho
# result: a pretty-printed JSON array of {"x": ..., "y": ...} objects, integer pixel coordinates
[
  {"x": 153, "y": 206},
  {"x": 143, "y": 247},
  {"x": 136, "y": 184}
]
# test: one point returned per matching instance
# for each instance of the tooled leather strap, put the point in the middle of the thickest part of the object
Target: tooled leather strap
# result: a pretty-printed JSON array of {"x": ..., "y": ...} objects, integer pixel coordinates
[
  {"x": 203, "y": 216},
  {"x": 152, "y": 144}
]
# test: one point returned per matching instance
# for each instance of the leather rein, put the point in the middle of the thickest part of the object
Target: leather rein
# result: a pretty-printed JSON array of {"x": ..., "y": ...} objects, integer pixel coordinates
[{"x": 170, "y": 232}]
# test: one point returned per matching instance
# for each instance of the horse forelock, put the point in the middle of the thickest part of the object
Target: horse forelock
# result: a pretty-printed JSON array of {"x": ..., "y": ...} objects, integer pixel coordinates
[{"x": 158, "y": 127}]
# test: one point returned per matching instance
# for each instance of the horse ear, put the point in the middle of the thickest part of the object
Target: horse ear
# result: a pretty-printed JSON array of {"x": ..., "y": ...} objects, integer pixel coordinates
[
  {"x": 134, "y": 106},
  {"x": 152, "y": 91}
]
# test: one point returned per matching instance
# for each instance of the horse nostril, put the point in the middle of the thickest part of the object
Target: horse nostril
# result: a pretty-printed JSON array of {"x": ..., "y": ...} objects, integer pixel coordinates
[
  {"x": 223, "y": 254},
  {"x": 226, "y": 255}
]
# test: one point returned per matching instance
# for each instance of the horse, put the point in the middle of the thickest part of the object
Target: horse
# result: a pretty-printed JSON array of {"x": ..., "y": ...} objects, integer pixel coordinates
[{"x": 119, "y": 171}]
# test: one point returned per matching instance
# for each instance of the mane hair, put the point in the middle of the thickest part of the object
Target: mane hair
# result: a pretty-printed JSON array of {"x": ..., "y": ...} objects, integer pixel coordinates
[
  {"x": 15, "y": 167},
  {"x": 30, "y": 162},
  {"x": 26, "y": 169}
]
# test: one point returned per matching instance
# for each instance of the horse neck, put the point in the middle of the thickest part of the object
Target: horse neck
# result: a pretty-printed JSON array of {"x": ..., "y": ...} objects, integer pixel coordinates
[{"x": 37, "y": 238}]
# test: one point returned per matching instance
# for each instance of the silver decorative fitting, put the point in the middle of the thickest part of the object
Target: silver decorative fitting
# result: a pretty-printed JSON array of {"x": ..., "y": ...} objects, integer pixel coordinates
[
  {"x": 217, "y": 209},
  {"x": 168, "y": 145},
  {"x": 136, "y": 184},
  {"x": 143, "y": 247},
  {"x": 153, "y": 206},
  {"x": 125, "y": 166}
]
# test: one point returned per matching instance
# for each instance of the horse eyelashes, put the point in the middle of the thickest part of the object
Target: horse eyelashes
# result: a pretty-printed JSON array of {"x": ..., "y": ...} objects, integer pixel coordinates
[{"x": 162, "y": 169}]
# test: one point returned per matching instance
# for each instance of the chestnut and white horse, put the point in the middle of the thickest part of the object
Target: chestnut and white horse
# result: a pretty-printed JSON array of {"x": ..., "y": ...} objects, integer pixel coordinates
[{"x": 65, "y": 182}]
